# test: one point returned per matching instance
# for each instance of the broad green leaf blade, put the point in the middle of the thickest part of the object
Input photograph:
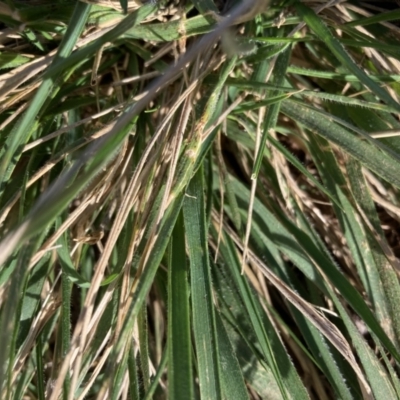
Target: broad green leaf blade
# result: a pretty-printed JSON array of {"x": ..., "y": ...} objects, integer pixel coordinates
[
  {"x": 180, "y": 377},
  {"x": 232, "y": 379},
  {"x": 370, "y": 156},
  {"x": 204, "y": 325},
  {"x": 11, "y": 60},
  {"x": 388, "y": 302}
]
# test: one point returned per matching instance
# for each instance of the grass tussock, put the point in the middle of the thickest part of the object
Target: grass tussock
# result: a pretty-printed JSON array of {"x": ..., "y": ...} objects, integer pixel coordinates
[{"x": 199, "y": 199}]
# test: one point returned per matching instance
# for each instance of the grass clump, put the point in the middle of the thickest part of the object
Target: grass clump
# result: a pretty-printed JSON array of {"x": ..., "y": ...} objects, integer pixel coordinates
[{"x": 199, "y": 200}]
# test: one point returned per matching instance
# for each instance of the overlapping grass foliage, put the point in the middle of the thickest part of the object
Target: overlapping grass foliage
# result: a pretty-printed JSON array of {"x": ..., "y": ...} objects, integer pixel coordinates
[{"x": 197, "y": 206}]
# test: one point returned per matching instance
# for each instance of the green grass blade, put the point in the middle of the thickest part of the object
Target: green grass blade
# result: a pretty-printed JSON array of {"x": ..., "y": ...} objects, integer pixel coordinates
[
  {"x": 370, "y": 362},
  {"x": 236, "y": 322},
  {"x": 232, "y": 379},
  {"x": 329, "y": 360},
  {"x": 388, "y": 281},
  {"x": 381, "y": 17},
  {"x": 376, "y": 160},
  {"x": 332, "y": 75},
  {"x": 293, "y": 160},
  {"x": 144, "y": 347},
  {"x": 40, "y": 368},
  {"x": 133, "y": 375},
  {"x": 380, "y": 383},
  {"x": 322, "y": 31},
  {"x": 157, "y": 377},
  {"x": 168, "y": 31},
  {"x": 120, "y": 372},
  {"x": 66, "y": 325},
  {"x": 180, "y": 376},
  {"x": 126, "y": 166},
  {"x": 204, "y": 325},
  {"x": 8, "y": 316},
  {"x": 271, "y": 118}
]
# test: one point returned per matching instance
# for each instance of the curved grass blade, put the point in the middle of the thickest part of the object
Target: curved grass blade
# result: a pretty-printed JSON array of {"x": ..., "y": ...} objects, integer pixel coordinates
[
  {"x": 133, "y": 375},
  {"x": 8, "y": 318},
  {"x": 329, "y": 360},
  {"x": 381, "y": 388}
]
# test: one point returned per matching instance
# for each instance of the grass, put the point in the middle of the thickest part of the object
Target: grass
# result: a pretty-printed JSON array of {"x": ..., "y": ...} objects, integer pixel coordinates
[{"x": 197, "y": 206}]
